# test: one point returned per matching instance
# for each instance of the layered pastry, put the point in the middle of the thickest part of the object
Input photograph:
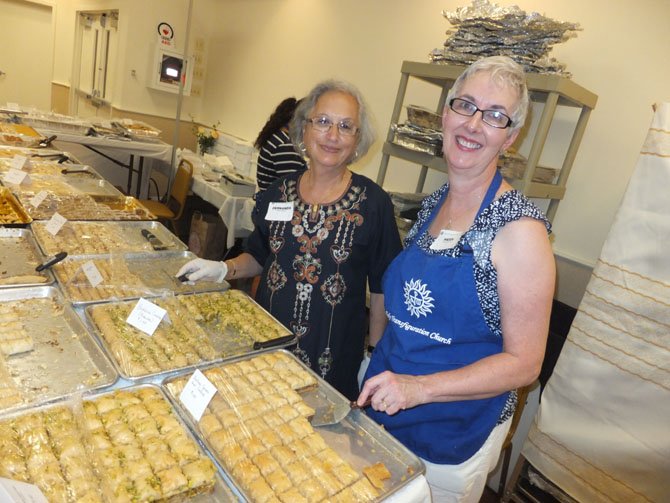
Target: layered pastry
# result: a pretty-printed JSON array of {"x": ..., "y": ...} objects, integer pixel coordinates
[{"x": 257, "y": 426}]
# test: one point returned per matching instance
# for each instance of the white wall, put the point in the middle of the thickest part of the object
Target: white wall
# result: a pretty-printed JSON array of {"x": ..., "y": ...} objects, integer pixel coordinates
[
  {"x": 266, "y": 50},
  {"x": 260, "y": 51}
]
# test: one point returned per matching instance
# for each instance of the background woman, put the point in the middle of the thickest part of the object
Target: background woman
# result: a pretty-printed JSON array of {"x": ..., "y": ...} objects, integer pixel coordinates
[
  {"x": 277, "y": 156},
  {"x": 468, "y": 299},
  {"x": 321, "y": 236}
]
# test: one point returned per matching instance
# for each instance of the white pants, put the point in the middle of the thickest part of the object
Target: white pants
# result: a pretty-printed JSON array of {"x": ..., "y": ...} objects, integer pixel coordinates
[{"x": 465, "y": 483}]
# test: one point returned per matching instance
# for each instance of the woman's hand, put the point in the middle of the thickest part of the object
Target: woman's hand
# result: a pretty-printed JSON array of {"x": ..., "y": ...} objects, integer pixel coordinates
[
  {"x": 391, "y": 392},
  {"x": 201, "y": 269}
]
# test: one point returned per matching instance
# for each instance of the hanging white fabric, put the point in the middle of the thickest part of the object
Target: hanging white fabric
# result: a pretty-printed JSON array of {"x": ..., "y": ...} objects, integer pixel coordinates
[{"x": 602, "y": 432}]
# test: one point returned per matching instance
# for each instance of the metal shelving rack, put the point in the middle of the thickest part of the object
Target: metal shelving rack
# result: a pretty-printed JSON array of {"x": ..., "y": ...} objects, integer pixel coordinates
[{"x": 553, "y": 91}]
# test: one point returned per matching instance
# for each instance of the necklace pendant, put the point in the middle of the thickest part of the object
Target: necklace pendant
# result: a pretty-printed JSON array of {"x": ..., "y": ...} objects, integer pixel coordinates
[
  {"x": 302, "y": 355},
  {"x": 325, "y": 362}
]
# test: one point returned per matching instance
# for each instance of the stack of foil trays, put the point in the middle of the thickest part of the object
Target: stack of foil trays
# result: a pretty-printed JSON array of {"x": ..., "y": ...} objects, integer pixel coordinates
[
  {"x": 486, "y": 29},
  {"x": 422, "y": 131}
]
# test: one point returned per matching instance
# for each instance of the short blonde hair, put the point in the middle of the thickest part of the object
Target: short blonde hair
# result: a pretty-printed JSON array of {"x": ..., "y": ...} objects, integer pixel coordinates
[{"x": 505, "y": 72}]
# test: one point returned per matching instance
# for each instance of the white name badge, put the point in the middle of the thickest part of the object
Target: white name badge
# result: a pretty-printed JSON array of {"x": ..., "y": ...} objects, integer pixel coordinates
[
  {"x": 146, "y": 316},
  {"x": 16, "y": 176},
  {"x": 19, "y": 162},
  {"x": 446, "y": 239},
  {"x": 197, "y": 394},
  {"x": 55, "y": 224},
  {"x": 13, "y": 491},
  {"x": 38, "y": 198},
  {"x": 92, "y": 273},
  {"x": 282, "y": 212}
]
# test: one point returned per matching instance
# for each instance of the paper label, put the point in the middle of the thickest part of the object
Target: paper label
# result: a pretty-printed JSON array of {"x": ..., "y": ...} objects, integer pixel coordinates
[
  {"x": 446, "y": 239},
  {"x": 38, "y": 198},
  {"x": 19, "y": 162},
  {"x": 282, "y": 212},
  {"x": 197, "y": 394},
  {"x": 13, "y": 107},
  {"x": 13, "y": 491},
  {"x": 16, "y": 176},
  {"x": 92, "y": 273},
  {"x": 146, "y": 316},
  {"x": 55, "y": 224}
]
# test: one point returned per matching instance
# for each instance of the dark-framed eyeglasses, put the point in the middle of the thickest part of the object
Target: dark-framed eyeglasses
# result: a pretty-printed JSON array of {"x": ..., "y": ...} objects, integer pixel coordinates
[
  {"x": 323, "y": 123},
  {"x": 494, "y": 118}
]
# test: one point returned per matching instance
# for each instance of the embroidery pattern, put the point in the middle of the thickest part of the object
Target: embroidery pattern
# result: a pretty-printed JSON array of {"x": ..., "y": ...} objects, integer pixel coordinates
[{"x": 322, "y": 233}]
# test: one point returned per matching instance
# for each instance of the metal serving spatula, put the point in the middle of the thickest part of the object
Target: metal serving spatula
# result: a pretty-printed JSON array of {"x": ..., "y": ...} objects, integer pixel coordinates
[{"x": 335, "y": 413}]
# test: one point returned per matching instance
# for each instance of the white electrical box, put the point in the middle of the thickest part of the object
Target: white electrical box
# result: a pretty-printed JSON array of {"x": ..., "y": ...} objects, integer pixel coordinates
[{"x": 168, "y": 69}]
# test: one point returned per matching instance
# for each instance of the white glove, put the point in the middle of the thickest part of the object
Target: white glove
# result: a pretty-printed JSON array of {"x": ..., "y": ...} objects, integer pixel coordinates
[{"x": 201, "y": 269}]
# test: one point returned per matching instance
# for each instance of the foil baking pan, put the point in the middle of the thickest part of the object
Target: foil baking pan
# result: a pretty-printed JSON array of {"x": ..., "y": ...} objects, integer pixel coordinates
[
  {"x": 65, "y": 357},
  {"x": 11, "y": 210},
  {"x": 19, "y": 256}
]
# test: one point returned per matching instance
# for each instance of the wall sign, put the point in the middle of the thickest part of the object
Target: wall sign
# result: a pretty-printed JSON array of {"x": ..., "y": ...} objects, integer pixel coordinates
[{"x": 165, "y": 35}]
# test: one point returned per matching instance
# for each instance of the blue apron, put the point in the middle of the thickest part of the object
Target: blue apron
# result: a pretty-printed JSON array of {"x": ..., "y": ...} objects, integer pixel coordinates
[{"x": 436, "y": 324}]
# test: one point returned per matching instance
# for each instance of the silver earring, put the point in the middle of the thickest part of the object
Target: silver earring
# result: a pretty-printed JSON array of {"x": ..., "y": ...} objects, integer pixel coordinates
[{"x": 302, "y": 148}]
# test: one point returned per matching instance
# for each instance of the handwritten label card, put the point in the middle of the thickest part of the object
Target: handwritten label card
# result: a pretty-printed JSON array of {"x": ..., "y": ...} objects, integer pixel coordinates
[
  {"x": 19, "y": 162},
  {"x": 38, "y": 198},
  {"x": 92, "y": 273},
  {"x": 16, "y": 176},
  {"x": 55, "y": 224},
  {"x": 146, "y": 316},
  {"x": 13, "y": 491},
  {"x": 197, "y": 394},
  {"x": 282, "y": 212}
]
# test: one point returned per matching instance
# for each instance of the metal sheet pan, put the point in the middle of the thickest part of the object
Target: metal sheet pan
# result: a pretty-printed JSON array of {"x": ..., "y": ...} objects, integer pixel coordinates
[
  {"x": 138, "y": 356},
  {"x": 128, "y": 276},
  {"x": 11, "y": 210},
  {"x": 357, "y": 439},
  {"x": 100, "y": 238},
  {"x": 86, "y": 207},
  {"x": 65, "y": 358},
  {"x": 19, "y": 256},
  {"x": 82, "y": 445}
]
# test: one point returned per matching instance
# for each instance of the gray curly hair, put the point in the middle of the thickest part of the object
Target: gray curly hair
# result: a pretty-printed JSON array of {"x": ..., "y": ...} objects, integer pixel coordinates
[
  {"x": 504, "y": 72},
  {"x": 365, "y": 136}
]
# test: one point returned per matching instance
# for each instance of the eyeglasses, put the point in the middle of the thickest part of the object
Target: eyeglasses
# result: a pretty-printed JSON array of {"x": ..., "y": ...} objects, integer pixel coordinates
[
  {"x": 322, "y": 124},
  {"x": 494, "y": 118}
]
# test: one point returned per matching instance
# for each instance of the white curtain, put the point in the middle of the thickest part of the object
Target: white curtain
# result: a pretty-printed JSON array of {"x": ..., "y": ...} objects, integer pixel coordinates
[{"x": 602, "y": 432}]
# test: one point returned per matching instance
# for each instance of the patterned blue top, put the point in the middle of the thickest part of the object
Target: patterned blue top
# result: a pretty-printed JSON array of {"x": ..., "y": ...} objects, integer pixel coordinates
[{"x": 510, "y": 206}]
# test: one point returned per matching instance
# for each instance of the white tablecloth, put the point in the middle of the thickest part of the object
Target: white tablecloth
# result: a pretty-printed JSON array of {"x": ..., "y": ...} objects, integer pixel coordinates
[
  {"x": 158, "y": 156},
  {"x": 234, "y": 211}
]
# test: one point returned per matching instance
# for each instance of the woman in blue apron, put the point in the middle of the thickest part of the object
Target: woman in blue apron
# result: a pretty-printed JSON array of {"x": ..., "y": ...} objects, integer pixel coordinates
[{"x": 468, "y": 300}]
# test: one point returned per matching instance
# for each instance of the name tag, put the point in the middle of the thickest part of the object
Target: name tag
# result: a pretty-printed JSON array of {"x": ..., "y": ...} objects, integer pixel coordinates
[
  {"x": 446, "y": 239},
  {"x": 282, "y": 212}
]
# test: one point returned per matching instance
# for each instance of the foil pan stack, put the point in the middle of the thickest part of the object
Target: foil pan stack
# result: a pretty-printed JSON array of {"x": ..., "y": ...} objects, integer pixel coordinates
[
  {"x": 422, "y": 131},
  {"x": 486, "y": 29}
]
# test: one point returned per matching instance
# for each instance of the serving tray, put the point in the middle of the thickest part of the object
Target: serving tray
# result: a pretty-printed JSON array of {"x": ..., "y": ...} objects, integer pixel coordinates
[
  {"x": 65, "y": 357},
  {"x": 257, "y": 428},
  {"x": 122, "y": 445}
]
